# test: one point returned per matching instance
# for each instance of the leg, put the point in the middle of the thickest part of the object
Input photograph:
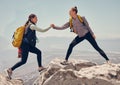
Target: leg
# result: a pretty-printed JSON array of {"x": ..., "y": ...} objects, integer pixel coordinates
[
  {"x": 74, "y": 43},
  {"x": 95, "y": 45},
  {"x": 23, "y": 60},
  {"x": 38, "y": 52},
  {"x": 24, "y": 57}
]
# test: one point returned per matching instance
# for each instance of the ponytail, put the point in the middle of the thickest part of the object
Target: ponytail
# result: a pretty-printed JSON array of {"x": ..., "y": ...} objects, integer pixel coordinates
[{"x": 26, "y": 23}]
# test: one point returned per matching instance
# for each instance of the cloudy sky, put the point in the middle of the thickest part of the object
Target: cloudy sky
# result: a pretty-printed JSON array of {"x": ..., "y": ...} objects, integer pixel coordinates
[{"x": 102, "y": 15}]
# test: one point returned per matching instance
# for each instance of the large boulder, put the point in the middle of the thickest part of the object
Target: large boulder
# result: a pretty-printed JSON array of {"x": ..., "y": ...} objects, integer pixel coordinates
[
  {"x": 5, "y": 81},
  {"x": 55, "y": 67},
  {"x": 79, "y": 72}
]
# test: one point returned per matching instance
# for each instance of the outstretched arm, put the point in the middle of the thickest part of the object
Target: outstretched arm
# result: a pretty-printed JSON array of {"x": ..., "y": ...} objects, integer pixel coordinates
[
  {"x": 33, "y": 27},
  {"x": 65, "y": 26}
]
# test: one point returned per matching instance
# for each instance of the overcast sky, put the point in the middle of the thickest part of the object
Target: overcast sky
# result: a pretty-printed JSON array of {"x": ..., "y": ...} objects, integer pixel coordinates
[{"x": 102, "y": 15}]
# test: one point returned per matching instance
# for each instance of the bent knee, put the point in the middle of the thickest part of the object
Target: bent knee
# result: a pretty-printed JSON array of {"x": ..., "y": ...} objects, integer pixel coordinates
[
  {"x": 23, "y": 62},
  {"x": 39, "y": 52}
]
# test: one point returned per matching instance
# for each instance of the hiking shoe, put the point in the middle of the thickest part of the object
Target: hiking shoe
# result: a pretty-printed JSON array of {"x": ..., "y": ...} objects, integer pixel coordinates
[
  {"x": 8, "y": 73},
  {"x": 64, "y": 62},
  {"x": 108, "y": 62},
  {"x": 41, "y": 69}
]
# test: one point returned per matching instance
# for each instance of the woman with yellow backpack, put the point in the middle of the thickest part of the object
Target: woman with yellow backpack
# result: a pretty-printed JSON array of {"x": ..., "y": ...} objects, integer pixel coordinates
[
  {"x": 80, "y": 26},
  {"x": 28, "y": 44}
]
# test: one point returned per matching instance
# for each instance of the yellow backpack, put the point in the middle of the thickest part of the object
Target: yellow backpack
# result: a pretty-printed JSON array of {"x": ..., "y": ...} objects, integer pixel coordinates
[
  {"x": 18, "y": 36},
  {"x": 71, "y": 25}
]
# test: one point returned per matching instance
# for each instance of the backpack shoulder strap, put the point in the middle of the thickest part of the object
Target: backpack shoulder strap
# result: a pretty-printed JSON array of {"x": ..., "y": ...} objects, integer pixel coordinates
[{"x": 70, "y": 21}]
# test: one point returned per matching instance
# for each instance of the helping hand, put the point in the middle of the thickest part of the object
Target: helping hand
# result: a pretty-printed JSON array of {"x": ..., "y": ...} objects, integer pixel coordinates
[{"x": 52, "y": 25}]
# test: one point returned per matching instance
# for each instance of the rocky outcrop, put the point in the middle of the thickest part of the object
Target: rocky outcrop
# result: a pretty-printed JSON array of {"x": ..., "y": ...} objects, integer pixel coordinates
[
  {"x": 5, "y": 81},
  {"x": 79, "y": 73}
]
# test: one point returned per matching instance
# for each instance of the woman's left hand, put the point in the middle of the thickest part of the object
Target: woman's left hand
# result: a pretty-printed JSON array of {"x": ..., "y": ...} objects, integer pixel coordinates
[{"x": 94, "y": 36}]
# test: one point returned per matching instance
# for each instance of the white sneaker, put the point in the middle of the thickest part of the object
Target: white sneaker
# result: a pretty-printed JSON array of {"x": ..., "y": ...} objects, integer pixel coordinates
[
  {"x": 64, "y": 62},
  {"x": 108, "y": 62},
  {"x": 8, "y": 73},
  {"x": 41, "y": 69}
]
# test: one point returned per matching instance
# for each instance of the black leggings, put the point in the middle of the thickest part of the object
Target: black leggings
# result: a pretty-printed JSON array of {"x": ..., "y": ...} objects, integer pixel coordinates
[
  {"x": 91, "y": 40},
  {"x": 26, "y": 48}
]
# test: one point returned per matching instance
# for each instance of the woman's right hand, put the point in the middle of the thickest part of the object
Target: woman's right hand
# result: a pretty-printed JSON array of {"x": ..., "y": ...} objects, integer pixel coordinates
[{"x": 52, "y": 25}]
